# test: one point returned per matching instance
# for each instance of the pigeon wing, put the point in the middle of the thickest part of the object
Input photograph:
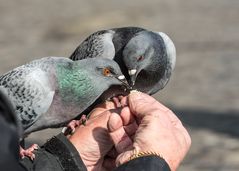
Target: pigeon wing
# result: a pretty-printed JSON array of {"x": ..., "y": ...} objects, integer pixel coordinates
[
  {"x": 98, "y": 44},
  {"x": 30, "y": 92}
]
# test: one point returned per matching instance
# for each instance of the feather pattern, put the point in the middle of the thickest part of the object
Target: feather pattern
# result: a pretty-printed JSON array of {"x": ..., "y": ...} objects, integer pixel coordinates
[
  {"x": 151, "y": 56},
  {"x": 51, "y": 91}
]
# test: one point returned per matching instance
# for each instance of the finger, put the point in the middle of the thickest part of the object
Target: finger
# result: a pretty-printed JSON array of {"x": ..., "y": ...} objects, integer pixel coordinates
[
  {"x": 127, "y": 116},
  {"x": 109, "y": 104},
  {"x": 117, "y": 133},
  {"x": 124, "y": 101},
  {"x": 121, "y": 140},
  {"x": 114, "y": 122},
  {"x": 120, "y": 97},
  {"x": 142, "y": 104},
  {"x": 131, "y": 128},
  {"x": 123, "y": 157},
  {"x": 112, "y": 153},
  {"x": 116, "y": 101}
]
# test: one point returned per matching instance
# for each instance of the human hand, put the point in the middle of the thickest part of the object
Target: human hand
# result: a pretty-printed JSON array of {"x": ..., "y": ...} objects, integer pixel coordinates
[
  {"x": 147, "y": 125},
  {"x": 92, "y": 140}
]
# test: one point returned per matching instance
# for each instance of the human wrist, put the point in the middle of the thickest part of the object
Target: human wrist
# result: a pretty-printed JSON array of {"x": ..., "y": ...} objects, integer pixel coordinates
[
  {"x": 138, "y": 152},
  {"x": 143, "y": 163},
  {"x": 143, "y": 154}
]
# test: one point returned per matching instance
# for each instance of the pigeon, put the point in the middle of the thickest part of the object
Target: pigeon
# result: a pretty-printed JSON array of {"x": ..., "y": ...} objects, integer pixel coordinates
[
  {"x": 146, "y": 58},
  {"x": 51, "y": 91}
]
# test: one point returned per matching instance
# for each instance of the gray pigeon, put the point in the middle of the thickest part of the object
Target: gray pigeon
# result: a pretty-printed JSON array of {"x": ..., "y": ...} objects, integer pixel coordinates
[
  {"x": 146, "y": 58},
  {"x": 51, "y": 91}
]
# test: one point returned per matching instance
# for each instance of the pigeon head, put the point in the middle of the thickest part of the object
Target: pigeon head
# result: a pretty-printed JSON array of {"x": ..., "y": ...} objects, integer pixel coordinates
[
  {"x": 88, "y": 79},
  {"x": 102, "y": 71},
  {"x": 148, "y": 52}
]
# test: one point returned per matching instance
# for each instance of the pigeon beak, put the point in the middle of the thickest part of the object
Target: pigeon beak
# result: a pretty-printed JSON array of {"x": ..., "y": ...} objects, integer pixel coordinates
[
  {"x": 121, "y": 77},
  {"x": 132, "y": 71},
  {"x": 133, "y": 75},
  {"x": 123, "y": 80}
]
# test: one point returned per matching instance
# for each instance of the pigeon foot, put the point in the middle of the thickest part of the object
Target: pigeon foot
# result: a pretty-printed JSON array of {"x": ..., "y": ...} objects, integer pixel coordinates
[
  {"x": 29, "y": 151},
  {"x": 71, "y": 127}
]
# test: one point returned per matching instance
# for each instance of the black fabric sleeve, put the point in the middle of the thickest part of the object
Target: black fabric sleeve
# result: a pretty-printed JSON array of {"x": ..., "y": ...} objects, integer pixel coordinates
[
  {"x": 57, "y": 154},
  {"x": 9, "y": 146},
  {"x": 146, "y": 163},
  {"x": 9, "y": 141}
]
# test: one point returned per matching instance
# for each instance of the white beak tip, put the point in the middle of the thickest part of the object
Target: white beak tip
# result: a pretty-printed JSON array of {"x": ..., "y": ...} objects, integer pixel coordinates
[
  {"x": 132, "y": 72},
  {"x": 121, "y": 77}
]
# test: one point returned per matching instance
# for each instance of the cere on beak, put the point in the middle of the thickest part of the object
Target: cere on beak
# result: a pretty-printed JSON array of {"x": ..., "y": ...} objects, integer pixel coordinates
[{"x": 122, "y": 79}]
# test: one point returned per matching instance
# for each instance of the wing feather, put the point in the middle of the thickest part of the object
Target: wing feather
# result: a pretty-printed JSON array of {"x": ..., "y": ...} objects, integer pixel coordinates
[{"x": 30, "y": 92}]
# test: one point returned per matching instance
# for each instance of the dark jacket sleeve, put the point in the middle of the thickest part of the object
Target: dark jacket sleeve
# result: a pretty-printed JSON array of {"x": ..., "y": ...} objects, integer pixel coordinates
[
  {"x": 9, "y": 146},
  {"x": 56, "y": 155},
  {"x": 146, "y": 163},
  {"x": 9, "y": 141}
]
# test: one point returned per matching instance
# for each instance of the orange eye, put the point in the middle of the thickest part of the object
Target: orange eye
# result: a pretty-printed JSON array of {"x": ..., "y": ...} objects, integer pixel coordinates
[{"x": 106, "y": 72}]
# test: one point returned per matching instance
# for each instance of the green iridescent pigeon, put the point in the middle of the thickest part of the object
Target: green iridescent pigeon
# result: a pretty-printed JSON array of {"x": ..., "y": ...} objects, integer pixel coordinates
[{"x": 52, "y": 91}]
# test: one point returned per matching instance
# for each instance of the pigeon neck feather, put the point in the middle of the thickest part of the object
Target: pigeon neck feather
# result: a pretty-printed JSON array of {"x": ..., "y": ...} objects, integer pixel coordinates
[{"x": 74, "y": 85}]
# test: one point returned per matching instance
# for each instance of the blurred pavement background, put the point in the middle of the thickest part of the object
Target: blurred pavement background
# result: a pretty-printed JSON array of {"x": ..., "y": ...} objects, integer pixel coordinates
[{"x": 204, "y": 88}]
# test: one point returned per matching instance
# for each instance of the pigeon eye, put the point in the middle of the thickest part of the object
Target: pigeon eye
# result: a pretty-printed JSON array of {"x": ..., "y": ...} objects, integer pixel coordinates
[
  {"x": 140, "y": 58},
  {"x": 106, "y": 72}
]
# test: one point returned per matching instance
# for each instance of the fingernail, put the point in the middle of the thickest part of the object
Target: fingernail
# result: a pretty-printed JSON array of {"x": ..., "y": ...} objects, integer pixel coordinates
[
  {"x": 135, "y": 94},
  {"x": 134, "y": 91}
]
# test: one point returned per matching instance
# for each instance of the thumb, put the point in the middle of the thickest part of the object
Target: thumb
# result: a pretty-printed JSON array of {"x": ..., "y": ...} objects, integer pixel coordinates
[
  {"x": 142, "y": 104},
  {"x": 123, "y": 157},
  {"x": 117, "y": 133}
]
